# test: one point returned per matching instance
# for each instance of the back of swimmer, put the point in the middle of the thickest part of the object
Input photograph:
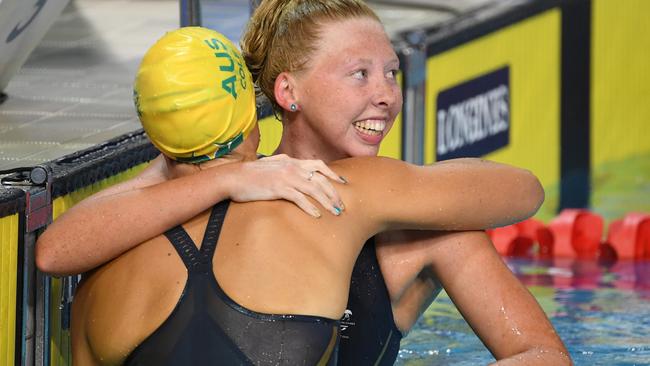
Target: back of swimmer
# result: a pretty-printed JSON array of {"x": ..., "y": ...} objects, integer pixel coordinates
[
  {"x": 244, "y": 283},
  {"x": 196, "y": 101}
]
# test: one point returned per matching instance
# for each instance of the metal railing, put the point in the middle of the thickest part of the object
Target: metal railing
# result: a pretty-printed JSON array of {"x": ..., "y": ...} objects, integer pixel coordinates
[{"x": 190, "y": 13}]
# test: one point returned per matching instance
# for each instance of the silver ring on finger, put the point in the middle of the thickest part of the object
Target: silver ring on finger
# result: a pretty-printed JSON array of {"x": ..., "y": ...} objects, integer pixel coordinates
[{"x": 311, "y": 175}]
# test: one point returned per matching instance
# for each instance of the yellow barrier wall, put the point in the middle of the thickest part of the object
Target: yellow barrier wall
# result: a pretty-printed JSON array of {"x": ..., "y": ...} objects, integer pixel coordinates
[
  {"x": 8, "y": 281},
  {"x": 59, "y": 338},
  {"x": 620, "y": 107},
  {"x": 271, "y": 134},
  {"x": 531, "y": 49}
]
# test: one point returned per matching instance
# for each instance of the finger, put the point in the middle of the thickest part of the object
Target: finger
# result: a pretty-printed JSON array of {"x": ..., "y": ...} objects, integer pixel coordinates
[
  {"x": 326, "y": 186},
  {"x": 322, "y": 168},
  {"x": 311, "y": 174},
  {"x": 301, "y": 201},
  {"x": 314, "y": 190}
]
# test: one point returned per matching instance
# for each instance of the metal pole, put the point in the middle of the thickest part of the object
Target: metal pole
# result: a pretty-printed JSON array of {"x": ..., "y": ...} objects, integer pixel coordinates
[
  {"x": 414, "y": 101},
  {"x": 42, "y": 321},
  {"x": 190, "y": 13},
  {"x": 28, "y": 333},
  {"x": 35, "y": 333}
]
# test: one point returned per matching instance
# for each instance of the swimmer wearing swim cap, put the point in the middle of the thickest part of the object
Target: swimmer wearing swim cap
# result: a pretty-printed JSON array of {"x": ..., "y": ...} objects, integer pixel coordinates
[
  {"x": 267, "y": 284},
  {"x": 194, "y": 95}
]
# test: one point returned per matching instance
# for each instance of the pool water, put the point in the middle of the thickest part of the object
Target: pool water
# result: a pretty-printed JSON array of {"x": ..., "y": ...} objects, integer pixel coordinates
[{"x": 601, "y": 312}]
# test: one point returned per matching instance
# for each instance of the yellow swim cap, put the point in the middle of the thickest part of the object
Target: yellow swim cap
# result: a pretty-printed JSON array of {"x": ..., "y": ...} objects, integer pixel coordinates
[{"x": 194, "y": 95}]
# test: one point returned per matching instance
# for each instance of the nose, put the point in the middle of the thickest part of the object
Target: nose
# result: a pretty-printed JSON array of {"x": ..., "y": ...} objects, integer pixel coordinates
[{"x": 386, "y": 93}]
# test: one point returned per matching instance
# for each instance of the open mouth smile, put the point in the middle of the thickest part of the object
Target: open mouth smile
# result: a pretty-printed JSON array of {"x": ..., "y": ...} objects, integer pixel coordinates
[{"x": 372, "y": 127}]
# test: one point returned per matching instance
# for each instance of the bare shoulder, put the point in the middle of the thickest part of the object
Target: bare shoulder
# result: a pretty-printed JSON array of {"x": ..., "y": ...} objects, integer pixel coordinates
[
  {"x": 376, "y": 188},
  {"x": 147, "y": 279},
  {"x": 367, "y": 162},
  {"x": 157, "y": 171},
  {"x": 371, "y": 167}
]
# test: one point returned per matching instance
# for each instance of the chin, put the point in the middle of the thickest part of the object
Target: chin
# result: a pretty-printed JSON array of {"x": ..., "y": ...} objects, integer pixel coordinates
[{"x": 364, "y": 150}]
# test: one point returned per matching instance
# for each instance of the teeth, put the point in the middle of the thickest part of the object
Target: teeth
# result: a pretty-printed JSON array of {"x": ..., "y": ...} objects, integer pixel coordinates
[{"x": 372, "y": 127}]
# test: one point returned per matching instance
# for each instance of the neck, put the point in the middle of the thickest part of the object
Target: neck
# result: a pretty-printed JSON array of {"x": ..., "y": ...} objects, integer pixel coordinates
[
  {"x": 301, "y": 142},
  {"x": 245, "y": 152}
]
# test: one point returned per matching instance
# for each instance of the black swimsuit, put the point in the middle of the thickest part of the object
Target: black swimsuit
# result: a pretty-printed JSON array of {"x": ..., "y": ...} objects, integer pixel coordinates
[
  {"x": 369, "y": 335},
  {"x": 208, "y": 328}
]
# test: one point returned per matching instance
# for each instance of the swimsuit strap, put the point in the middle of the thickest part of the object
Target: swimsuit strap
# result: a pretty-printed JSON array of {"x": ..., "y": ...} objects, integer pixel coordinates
[
  {"x": 196, "y": 260},
  {"x": 185, "y": 248},
  {"x": 213, "y": 229}
]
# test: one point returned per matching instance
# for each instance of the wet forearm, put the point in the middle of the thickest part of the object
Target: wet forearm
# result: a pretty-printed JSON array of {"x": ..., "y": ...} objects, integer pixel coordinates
[
  {"x": 541, "y": 356},
  {"x": 498, "y": 307}
]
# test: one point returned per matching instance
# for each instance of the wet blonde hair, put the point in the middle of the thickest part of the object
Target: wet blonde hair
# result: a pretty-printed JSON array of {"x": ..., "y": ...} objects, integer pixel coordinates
[{"x": 282, "y": 34}]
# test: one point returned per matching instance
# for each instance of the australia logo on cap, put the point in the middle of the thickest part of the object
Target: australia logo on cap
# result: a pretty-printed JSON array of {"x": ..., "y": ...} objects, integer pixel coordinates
[{"x": 229, "y": 84}]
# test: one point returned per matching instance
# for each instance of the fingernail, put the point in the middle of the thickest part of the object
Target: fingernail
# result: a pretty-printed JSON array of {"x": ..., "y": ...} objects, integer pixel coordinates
[
  {"x": 343, "y": 180},
  {"x": 337, "y": 211},
  {"x": 316, "y": 214},
  {"x": 341, "y": 205}
]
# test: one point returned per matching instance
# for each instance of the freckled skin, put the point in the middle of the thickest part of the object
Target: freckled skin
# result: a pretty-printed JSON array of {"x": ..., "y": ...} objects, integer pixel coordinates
[
  {"x": 301, "y": 253},
  {"x": 361, "y": 85},
  {"x": 330, "y": 102},
  {"x": 414, "y": 264}
]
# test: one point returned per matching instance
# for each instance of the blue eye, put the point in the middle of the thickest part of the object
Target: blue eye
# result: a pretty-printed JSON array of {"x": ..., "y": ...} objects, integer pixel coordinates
[{"x": 360, "y": 74}]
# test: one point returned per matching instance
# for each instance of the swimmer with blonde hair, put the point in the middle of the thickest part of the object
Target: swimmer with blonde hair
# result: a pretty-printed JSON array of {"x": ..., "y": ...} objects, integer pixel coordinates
[
  {"x": 337, "y": 98},
  {"x": 258, "y": 282}
]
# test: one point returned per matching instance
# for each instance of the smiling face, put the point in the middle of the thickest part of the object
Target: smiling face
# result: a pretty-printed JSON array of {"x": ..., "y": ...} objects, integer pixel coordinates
[{"x": 347, "y": 91}]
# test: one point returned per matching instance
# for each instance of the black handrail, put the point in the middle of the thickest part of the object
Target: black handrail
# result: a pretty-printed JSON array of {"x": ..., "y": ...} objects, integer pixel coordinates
[{"x": 190, "y": 13}]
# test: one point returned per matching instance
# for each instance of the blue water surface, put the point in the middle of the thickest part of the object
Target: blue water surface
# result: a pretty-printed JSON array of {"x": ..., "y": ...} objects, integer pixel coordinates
[{"x": 601, "y": 312}]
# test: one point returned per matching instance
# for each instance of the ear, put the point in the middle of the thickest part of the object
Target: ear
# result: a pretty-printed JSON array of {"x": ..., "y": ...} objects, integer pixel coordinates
[{"x": 285, "y": 90}]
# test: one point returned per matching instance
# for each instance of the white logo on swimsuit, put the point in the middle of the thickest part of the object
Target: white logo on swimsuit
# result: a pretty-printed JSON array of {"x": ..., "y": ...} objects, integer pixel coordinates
[
  {"x": 346, "y": 315},
  {"x": 346, "y": 321}
]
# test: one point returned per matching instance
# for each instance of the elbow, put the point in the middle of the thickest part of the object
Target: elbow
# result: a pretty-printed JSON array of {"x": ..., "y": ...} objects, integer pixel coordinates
[
  {"x": 551, "y": 355},
  {"x": 538, "y": 356},
  {"x": 532, "y": 195},
  {"x": 537, "y": 195},
  {"x": 543, "y": 348},
  {"x": 559, "y": 356},
  {"x": 44, "y": 257}
]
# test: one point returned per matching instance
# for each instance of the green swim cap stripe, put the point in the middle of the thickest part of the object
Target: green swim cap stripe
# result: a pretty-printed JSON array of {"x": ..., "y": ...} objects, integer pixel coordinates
[{"x": 222, "y": 149}]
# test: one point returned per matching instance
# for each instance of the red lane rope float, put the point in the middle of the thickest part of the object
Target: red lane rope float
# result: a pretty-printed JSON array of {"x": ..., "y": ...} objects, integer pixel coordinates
[
  {"x": 576, "y": 233},
  {"x": 630, "y": 236}
]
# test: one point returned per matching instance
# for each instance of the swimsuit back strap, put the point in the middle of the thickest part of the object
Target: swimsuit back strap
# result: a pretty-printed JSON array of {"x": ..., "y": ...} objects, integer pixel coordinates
[
  {"x": 193, "y": 258},
  {"x": 213, "y": 229},
  {"x": 185, "y": 247}
]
